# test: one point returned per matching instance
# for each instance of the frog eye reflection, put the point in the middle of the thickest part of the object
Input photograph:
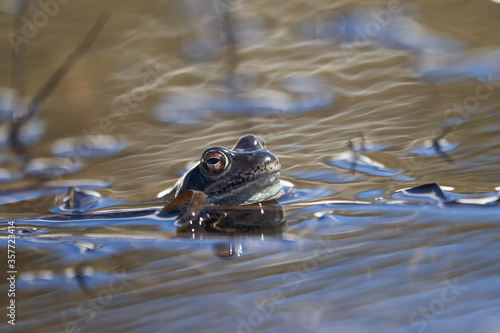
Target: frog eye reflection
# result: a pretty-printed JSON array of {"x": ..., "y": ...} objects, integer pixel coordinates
[
  {"x": 213, "y": 162},
  {"x": 262, "y": 142}
]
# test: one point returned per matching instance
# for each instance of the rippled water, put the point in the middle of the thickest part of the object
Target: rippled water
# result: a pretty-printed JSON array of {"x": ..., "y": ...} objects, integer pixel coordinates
[{"x": 412, "y": 100}]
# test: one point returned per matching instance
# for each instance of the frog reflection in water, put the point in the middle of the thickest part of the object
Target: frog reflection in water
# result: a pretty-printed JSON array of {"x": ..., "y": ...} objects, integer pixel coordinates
[{"x": 247, "y": 174}]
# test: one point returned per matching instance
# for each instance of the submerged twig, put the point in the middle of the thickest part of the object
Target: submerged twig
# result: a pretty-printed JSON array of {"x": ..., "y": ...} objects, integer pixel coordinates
[
  {"x": 71, "y": 59},
  {"x": 19, "y": 54},
  {"x": 80, "y": 278},
  {"x": 232, "y": 50},
  {"x": 437, "y": 145},
  {"x": 231, "y": 55},
  {"x": 357, "y": 153}
]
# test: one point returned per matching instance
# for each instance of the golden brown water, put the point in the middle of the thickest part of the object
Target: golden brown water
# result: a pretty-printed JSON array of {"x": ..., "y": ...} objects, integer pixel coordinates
[{"x": 339, "y": 267}]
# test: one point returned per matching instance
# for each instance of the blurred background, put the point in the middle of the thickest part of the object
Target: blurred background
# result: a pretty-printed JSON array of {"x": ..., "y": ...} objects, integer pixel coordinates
[{"x": 404, "y": 92}]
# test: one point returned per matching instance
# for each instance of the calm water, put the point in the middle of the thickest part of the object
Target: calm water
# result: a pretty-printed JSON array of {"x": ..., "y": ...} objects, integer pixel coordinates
[{"x": 159, "y": 86}]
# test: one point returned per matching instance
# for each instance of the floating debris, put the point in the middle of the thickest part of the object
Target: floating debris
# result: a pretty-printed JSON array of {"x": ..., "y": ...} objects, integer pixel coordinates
[
  {"x": 426, "y": 193},
  {"x": 434, "y": 193},
  {"x": 77, "y": 201}
]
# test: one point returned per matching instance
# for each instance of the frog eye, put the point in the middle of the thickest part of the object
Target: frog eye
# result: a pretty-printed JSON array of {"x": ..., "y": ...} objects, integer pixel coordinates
[{"x": 213, "y": 162}]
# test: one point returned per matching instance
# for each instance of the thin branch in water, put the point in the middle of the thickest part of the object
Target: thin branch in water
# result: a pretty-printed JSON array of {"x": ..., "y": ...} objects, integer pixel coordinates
[
  {"x": 232, "y": 51},
  {"x": 19, "y": 53},
  {"x": 357, "y": 153},
  {"x": 54, "y": 80},
  {"x": 80, "y": 278},
  {"x": 231, "y": 44},
  {"x": 70, "y": 60},
  {"x": 437, "y": 145}
]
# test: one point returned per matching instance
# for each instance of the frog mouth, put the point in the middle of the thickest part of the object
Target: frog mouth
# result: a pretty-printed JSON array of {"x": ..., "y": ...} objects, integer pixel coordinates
[{"x": 258, "y": 189}]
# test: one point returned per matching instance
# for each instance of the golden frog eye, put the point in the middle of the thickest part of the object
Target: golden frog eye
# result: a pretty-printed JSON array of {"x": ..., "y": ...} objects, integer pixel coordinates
[{"x": 213, "y": 162}]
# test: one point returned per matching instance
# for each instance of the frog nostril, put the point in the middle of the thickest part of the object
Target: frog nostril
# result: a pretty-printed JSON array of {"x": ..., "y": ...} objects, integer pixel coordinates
[{"x": 249, "y": 158}]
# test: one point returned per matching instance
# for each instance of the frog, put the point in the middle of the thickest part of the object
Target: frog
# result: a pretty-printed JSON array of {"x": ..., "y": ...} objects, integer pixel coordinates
[{"x": 246, "y": 174}]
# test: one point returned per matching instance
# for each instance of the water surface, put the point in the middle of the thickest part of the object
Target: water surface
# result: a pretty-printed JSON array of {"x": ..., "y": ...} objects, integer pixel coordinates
[{"x": 354, "y": 256}]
